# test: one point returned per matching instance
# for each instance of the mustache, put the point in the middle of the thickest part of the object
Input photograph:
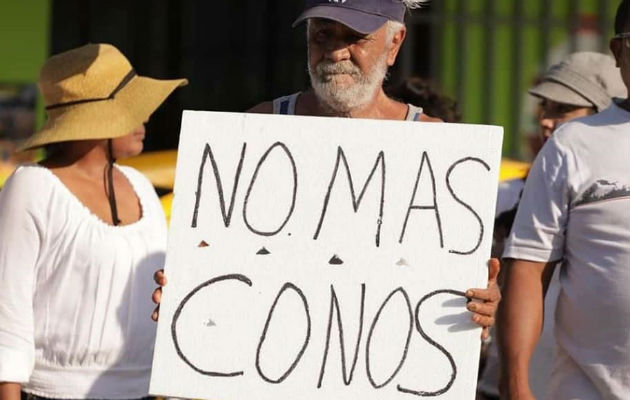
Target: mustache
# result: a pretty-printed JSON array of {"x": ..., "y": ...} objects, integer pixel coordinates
[{"x": 341, "y": 67}]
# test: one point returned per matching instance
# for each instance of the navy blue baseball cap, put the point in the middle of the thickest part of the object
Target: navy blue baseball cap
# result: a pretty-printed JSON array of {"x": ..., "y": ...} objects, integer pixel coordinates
[{"x": 363, "y": 16}]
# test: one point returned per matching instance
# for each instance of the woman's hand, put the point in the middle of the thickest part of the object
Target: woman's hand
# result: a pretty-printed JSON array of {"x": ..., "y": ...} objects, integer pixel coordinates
[
  {"x": 160, "y": 279},
  {"x": 484, "y": 311},
  {"x": 10, "y": 391}
]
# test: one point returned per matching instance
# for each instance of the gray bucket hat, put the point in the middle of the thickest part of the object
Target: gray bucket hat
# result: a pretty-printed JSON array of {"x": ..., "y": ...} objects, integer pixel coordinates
[{"x": 585, "y": 79}]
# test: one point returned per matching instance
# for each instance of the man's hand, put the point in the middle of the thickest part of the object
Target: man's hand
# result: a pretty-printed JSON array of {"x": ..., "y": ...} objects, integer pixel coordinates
[
  {"x": 483, "y": 313},
  {"x": 160, "y": 279}
]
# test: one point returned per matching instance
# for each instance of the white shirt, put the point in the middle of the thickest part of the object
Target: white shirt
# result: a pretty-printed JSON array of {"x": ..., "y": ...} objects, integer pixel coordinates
[
  {"x": 576, "y": 207},
  {"x": 508, "y": 195},
  {"x": 75, "y": 292}
]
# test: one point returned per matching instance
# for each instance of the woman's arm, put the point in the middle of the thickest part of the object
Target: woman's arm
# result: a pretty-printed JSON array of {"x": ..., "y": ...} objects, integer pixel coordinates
[
  {"x": 21, "y": 200},
  {"x": 9, "y": 391}
]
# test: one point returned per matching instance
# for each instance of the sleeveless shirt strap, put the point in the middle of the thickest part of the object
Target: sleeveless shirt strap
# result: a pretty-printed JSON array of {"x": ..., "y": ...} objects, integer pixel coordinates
[
  {"x": 286, "y": 104},
  {"x": 413, "y": 113},
  {"x": 284, "y": 107}
]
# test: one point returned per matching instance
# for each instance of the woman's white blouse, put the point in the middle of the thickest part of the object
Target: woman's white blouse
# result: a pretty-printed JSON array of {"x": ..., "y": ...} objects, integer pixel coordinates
[{"x": 75, "y": 292}]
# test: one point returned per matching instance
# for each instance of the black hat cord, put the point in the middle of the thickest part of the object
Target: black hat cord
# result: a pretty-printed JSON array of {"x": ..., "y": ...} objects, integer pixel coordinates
[{"x": 110, "y": 183}]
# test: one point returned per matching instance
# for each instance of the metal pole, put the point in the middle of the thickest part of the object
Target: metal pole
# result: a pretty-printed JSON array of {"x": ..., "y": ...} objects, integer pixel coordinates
[
  {"x": 437, "y": 41},
  {"x": 461, "y": 23},
  {"x": 573, "y": 24},
  {"x": 517, "y": 78},
  {"x": 488, "y": 61},
  {"x": 545, "y": 33},
  {"x": 603, "y": 25}
]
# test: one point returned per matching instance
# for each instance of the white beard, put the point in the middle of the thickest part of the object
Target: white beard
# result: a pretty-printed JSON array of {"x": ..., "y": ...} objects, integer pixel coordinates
[{"x": 343, "y": 98}]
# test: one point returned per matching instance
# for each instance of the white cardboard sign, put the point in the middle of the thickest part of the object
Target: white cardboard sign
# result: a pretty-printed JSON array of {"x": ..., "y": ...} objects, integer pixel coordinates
[{"x": 325, "y": 258}]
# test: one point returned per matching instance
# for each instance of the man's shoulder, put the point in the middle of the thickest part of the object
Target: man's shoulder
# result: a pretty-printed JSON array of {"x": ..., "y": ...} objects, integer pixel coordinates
[
  {"x": 610, "y": 118},
  {"x": 427, "y": 118},
  {"x": 279, "y": 105},
  {"x": 265, "y": 107}
]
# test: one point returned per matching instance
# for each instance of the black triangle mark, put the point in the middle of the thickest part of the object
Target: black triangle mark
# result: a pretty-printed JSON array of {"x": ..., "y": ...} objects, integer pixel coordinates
[
  {"x": 210, "y": 323},
  {"x": 335, "y": 260},
  {"x": 263, "y": 252}
]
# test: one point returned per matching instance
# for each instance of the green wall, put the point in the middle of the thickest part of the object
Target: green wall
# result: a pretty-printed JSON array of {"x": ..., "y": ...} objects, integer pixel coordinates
[
  {"x": 24, "y": 36},
  {"x": 24, "y": 41},
  {"x": 484, "y": 31}
]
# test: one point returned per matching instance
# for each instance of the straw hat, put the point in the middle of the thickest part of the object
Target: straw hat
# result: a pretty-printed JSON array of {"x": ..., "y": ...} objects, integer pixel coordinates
[{"x": 93, "y": 92}]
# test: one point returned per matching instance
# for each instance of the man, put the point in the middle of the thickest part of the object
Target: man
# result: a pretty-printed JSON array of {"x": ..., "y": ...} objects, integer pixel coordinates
[
  {"x": 351, "y": 44},
  {"x": 580, "y": 85},
  {"x": 575, "y": 209}
]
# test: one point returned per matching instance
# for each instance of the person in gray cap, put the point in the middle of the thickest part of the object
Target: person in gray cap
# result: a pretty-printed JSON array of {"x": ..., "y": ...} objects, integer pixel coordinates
[
  {"x": 351, "y": 45},
  {"x": 582, "y": 84},
  {"x": 575, "y": 210}
]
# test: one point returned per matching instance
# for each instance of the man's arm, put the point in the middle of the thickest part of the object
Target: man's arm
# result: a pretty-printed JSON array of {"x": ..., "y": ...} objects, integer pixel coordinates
[
  {"x": 9, "y": 391},
  {"x": 520, "y": 320}
]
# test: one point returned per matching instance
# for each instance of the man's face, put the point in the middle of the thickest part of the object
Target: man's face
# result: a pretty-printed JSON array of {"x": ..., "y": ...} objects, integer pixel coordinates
[
  {"x": 551, "y": 114},
  {"x": 347, "y": 68}
]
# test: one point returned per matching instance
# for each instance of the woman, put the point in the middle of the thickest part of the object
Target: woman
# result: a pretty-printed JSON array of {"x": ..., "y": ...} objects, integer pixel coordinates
[{"x": 80, "y": 236}]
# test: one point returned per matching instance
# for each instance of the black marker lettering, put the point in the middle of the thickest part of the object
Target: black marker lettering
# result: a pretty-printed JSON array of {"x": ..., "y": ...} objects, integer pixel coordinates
[
  {"x": 284, "y": 148},
  {"x": 240, "y": 278},
  {"x": 457, "y": 199},
  {"x": 425, "y": 157},
  {"x": 356, "y": 202},
  {"x": 369, "y": 339},
  {"x": 435, "y": 344},
  {"x": 307, "y": 338},
  {"x": 227, "y": 216},
  {"x": 334, "y": 307}
]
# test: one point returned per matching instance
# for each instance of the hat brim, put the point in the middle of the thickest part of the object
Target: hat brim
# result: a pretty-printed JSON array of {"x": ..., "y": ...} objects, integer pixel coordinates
[
  {"x": 106, "y": 119},
  {"x": 356, "y": 20},
  {"x": 559, "y": 93}
]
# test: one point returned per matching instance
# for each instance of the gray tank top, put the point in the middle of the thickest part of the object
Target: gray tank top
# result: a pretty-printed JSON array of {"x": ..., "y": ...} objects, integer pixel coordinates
[{"x": 286, "y": 105}]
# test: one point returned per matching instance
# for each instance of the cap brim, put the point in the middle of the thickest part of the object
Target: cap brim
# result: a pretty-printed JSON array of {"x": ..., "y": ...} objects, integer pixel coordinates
[
  {"x": 559, "y": 93},
  {"x": 106, "y": 119},
  {"x": 356, "y": 20}
]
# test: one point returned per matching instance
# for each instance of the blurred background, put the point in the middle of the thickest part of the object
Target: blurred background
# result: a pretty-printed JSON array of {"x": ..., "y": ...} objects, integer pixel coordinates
[{"x": 485, "y": 54}]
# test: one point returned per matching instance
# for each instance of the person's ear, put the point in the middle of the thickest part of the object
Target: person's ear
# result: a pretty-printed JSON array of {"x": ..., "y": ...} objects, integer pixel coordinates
[
  {"x": 615, "y": 47},
  {"x": 396, "y": 43}
]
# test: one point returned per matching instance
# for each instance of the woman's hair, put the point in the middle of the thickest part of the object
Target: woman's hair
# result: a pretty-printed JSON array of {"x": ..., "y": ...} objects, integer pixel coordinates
[
  {"x": 52, "y": 148},
  {"x": 622, "y": 20},
  {"x": 423, "y": 93}
]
